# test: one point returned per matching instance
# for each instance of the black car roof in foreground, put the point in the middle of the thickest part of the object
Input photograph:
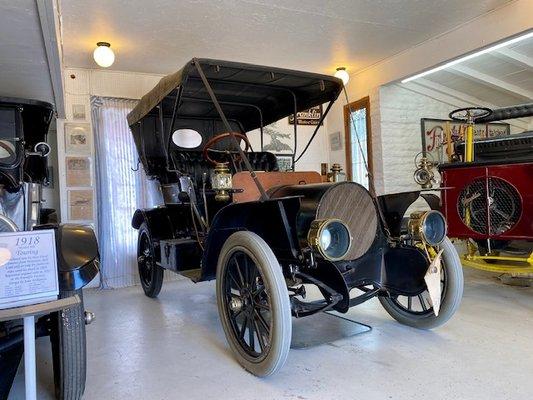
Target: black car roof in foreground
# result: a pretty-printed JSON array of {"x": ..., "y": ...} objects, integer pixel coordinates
[{"x": 248, "y": 93}]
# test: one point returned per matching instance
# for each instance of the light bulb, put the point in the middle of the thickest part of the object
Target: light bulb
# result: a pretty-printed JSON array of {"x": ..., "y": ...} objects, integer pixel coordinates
[
  {"x": 343, "y": 75},
  {"x": 103, "y": 55}
]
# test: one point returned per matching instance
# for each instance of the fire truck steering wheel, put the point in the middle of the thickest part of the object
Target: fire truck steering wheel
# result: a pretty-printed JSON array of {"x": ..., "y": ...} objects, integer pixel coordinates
[
  {"x": 215, "y": 139},
  {"x": 470, "y": 113}
]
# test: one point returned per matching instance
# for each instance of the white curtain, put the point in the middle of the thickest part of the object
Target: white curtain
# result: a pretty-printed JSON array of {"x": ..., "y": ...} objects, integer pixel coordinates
[{"x": 120, "y": 190}]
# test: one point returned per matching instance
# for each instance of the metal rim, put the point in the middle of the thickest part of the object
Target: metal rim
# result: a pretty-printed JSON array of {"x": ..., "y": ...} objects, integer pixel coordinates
[
  {"x": 145, "y": 259},
  {"x": 407, "y": 303},
  {"x": 247, "y": 305}
]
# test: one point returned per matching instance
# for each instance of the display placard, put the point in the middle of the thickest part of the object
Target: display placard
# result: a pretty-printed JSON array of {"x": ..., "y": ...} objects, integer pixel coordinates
[{"x": 28, "y": 268}]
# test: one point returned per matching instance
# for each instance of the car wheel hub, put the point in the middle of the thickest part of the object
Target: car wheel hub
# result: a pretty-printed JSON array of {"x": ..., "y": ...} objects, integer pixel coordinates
[{"x": 236, "y": 304}]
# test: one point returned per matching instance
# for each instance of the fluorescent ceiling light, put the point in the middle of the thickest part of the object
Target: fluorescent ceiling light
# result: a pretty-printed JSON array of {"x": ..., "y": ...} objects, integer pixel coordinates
[{"x": 470, "y": 56}]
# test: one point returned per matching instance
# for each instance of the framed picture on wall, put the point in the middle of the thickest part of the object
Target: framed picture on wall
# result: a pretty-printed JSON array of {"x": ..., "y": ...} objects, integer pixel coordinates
[
  {"x": 284, "y": 162},
  {"x": 77, "y": 138},
  {"x": 278, "y": 140},
  {"x": 78, "y": 171},
  {"x": 78, "y": 112},
  {"x": 80, "y": 205},
  {"x": 335, "y": 141}
]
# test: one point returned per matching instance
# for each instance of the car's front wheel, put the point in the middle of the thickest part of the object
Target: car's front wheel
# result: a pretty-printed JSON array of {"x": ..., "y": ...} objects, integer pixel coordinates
[
  {"x": 253, "y": 303},
  {"x": 417, "y": 311}
]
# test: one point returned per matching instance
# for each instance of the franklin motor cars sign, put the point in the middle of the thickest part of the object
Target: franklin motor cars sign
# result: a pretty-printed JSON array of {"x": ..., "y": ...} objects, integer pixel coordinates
[{"x": 308, "y": 117}]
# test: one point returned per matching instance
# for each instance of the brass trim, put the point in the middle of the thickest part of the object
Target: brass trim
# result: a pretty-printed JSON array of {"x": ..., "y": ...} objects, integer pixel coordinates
[{"x": 313, "y": 237}]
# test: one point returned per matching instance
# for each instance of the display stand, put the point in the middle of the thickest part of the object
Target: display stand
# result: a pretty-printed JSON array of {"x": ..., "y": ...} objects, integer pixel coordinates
[
  {"x": 324, "y": 327},
  {"x": 28, "y": 314}
]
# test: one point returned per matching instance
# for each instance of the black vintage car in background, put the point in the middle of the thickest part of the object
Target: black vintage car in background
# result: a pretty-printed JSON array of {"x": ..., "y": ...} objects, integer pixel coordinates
[
  {"x": 24, "y": 126},
  {"x": 264, "y": 235}
]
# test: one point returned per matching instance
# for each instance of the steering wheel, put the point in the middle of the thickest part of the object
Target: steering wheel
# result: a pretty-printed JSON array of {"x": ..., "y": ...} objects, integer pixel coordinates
[
  {"x": 215, "y": 139},
  {"x": 470, "y": 114}
]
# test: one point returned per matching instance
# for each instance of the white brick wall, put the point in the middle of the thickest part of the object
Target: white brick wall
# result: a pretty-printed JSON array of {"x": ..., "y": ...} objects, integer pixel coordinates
[{"x": 399, "y": 136}]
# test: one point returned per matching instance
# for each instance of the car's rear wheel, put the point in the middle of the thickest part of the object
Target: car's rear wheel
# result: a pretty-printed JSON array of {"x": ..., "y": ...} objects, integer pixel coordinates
[
  {"x": 150, "y": 274},
  {"x": 417, "y": 311},
  {"x": 69, "y": 353},
  {"x": 253, "y": 303}
]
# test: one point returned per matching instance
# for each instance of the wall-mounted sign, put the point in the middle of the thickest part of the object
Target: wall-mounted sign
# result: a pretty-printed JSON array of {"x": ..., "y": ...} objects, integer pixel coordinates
[
  {"x": 28, "y": 268},
  {"x": 311, "y": 116},
  {"x": 434, "y": 134}
]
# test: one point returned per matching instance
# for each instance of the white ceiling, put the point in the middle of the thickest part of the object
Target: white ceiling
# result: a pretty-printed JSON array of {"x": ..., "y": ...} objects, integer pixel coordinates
[
  {"x": 23, "y": 63},
  {"x": 500, "y": 78},
  {"x": 315, "y": 35}
]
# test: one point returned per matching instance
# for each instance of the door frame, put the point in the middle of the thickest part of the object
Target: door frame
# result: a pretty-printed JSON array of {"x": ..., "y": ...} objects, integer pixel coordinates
[{"x": 355, "y": 105}]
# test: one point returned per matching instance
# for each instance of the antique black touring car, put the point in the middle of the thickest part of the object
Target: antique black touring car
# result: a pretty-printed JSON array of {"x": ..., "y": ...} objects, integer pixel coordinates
[
  {"x": 24, "y": 154},
  {"x": 231, "y": 215}
]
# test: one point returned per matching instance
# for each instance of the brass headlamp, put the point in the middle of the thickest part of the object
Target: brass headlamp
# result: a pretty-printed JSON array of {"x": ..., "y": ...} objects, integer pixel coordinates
[
  {"x": 330, "y": 238},
  {"x": 428, "y": 226},
  {"x": 221, "y": 182}
]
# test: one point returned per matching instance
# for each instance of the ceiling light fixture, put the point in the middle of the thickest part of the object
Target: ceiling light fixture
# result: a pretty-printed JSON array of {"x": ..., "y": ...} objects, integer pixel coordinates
[
  {"x": 103, "y": 55},
  {"x": 343, "y": 75},
  {"x": 469, "y": 56}
]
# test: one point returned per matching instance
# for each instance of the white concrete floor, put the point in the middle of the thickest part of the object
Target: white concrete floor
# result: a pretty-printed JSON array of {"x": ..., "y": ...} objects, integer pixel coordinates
[{"x": 174, "y": 348}]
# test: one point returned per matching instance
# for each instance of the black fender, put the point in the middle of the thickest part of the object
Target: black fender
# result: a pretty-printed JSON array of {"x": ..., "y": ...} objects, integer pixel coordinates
[
  {"x": 78, "y": 258},
  {"x": 433, "y": 200},
  {"x": 164, "y": 222},
  {"x": 274, "y": 220},
  {"x": 159, "y": 220},
  {"x": 395, "y": 205},
  {"x": 329, "y": 274}
]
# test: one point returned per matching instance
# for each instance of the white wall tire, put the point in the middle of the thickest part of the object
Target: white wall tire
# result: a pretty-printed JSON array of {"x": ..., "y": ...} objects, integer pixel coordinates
[{"x": 245, "y": 298}]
